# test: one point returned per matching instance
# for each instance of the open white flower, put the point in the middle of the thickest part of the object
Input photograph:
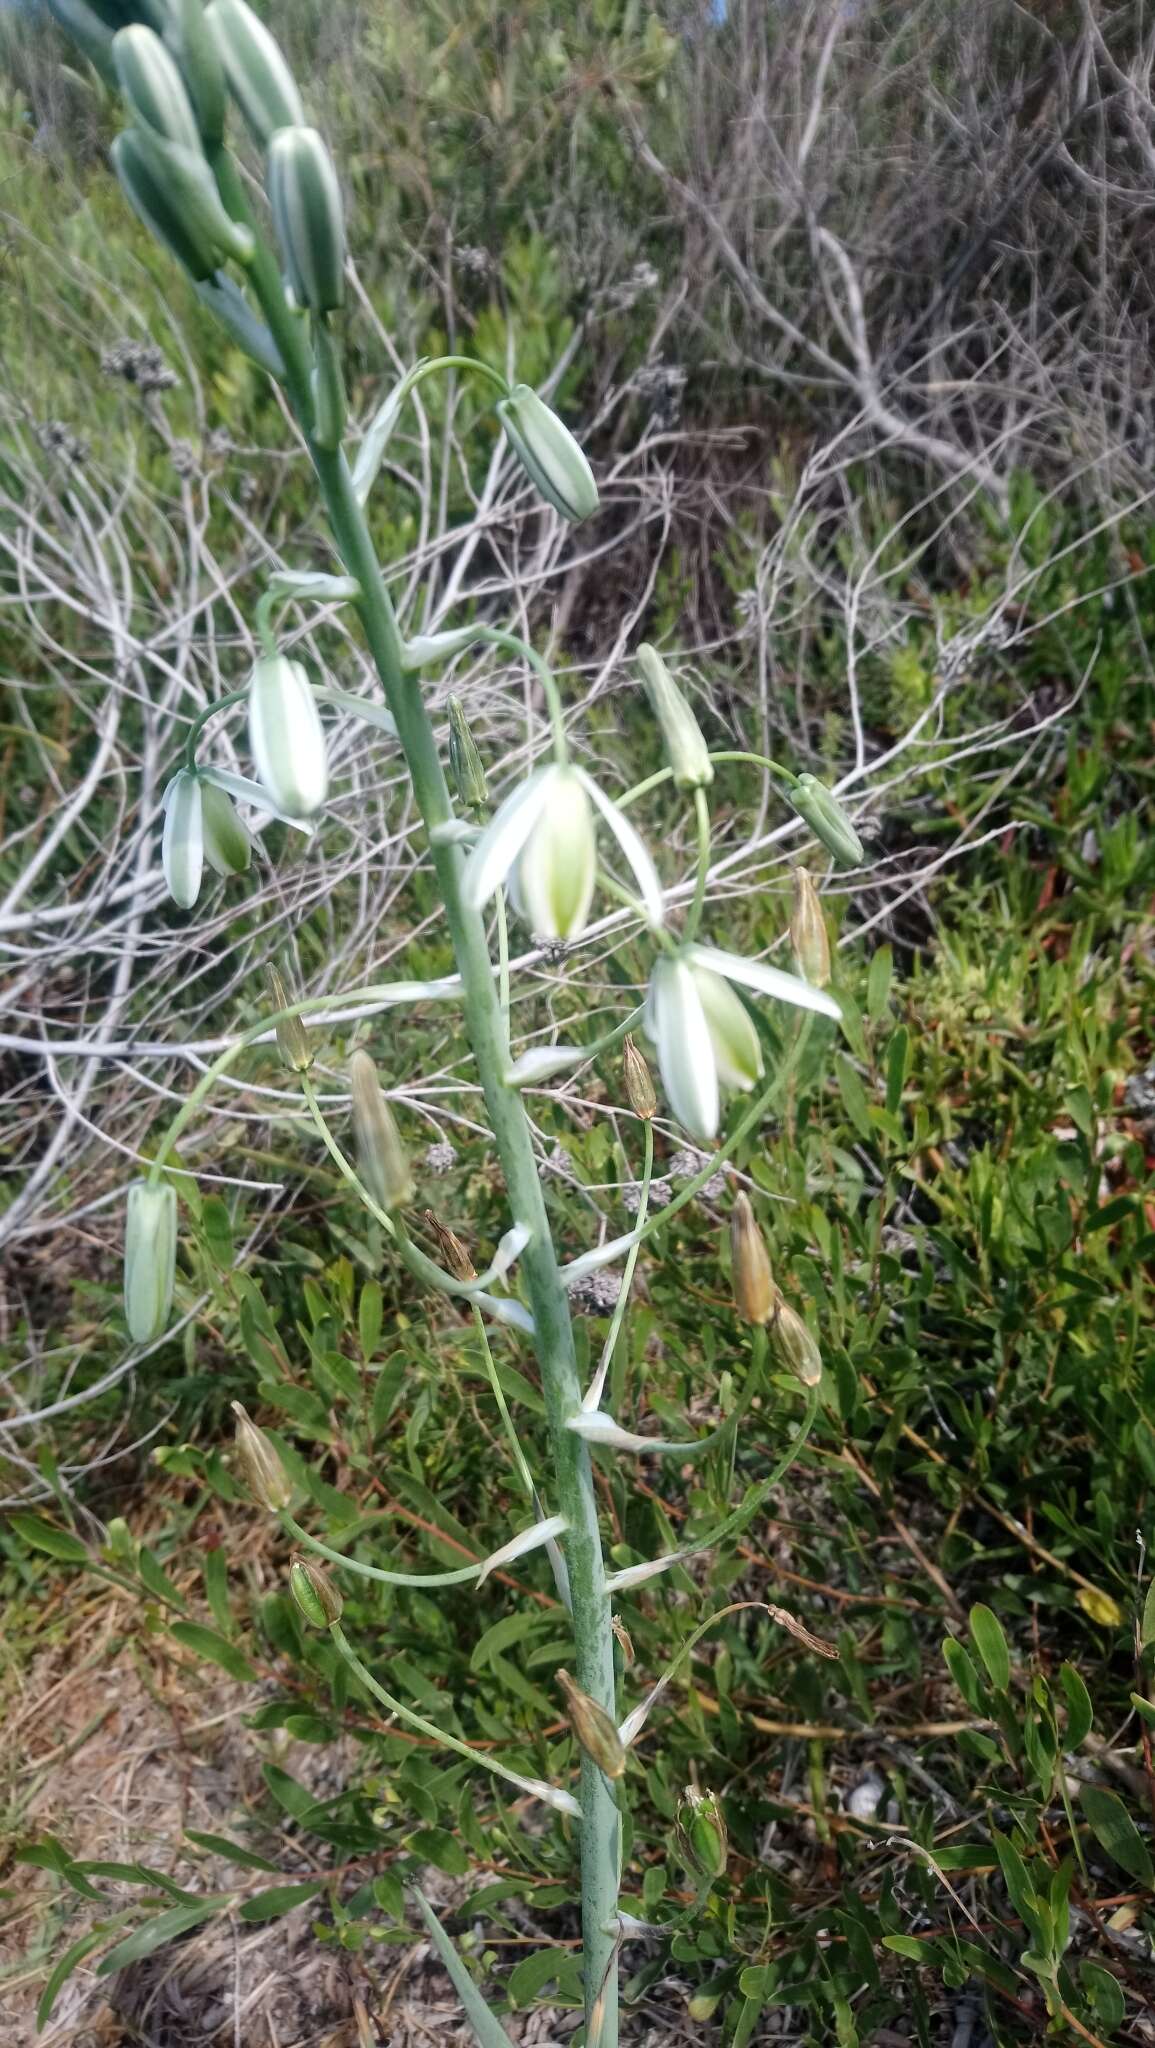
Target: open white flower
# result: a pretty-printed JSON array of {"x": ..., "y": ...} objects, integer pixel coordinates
[
  {"x": 542, "y": 840},
  {"x": 706, "y": 1039}
]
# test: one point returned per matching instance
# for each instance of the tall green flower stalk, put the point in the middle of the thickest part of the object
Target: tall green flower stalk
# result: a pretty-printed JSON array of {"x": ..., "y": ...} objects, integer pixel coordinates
[{"x": 279, "y": 299}]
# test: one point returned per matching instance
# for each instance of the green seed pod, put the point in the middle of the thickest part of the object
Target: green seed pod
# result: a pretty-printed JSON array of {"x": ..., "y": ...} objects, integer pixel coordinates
[
  {"x": 314, "y": 1592},
  {"x": 686, "y": 750},
  {"x": 153, "y": 86},
  {"x": 808, "y": 934},
  {"x": 465, "y": 763},
  {"x": 149, "y": 1258},
  {"x": 595, "y": 1730},
  {"x": 292, "y": 1036},
  {"x": 639, "y": 1082},
  {"x": 827, "y": 820},
  {"x": 172, "y": 192},
  {"x": 189, "y": 38},
  {"x": 308, "y": 215},
  {"x": 380, "y": 1153},
  {"x": 286, "y": 736},
  {"x": 259, "y": 78},
  {"x": 701, "y": 1834},
  {"x": 794, "y": 1342},
  {"x": 548, "y": 453},
  {"x": 750, "y": 1274},
  {"x": 264, "y": 1474},
  {"x": 228, "y": 847}
]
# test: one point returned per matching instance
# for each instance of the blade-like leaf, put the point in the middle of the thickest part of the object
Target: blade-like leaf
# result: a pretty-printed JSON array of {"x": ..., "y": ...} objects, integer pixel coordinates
[
  {"x": 280, "y": 1898},
  {"x": 207, "y": 1643},
  {"x": 486, "y": 2026},
  {"x": 68, "y": 1963},
  {"x": 991, "y": 1644},
  {"x": 155, "y": 1933},
  {"x": 1115, "y": 1831},
  {"x": 46, "y": 1536}
]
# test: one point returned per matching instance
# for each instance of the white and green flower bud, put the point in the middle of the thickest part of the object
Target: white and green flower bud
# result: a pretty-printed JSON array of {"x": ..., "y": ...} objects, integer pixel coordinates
[
  {"x": 153, "y": 86},
  {"x": 827, "y": 820},
  {"x": 314, "y": 1592},
  {"x": 596, "y": 1731},
  {"x": 809, "y": 937},
  {"x": 700, "y": 1830},
  {"x": 795, "y": 1343},
  {"x": 292, "y": 1032},
  {"x": 189, "y": 38},
  {"x": 228, "y": 847},
  {"x": 733, "y": 1033},
  {"x": 171, "y": 190},
  {"x": 706, "y": 1038},
  {"x": 149, "y": 1258},
  {"x": 309, "y": 218},
  {"x": 260, "y": 1463},
  {"x": 286, "y": 736},
  {"x": 558, "y": 865},
  {"x": 182, "y": 846},
  {"x": 548, "y": 453},
  {"x": 686, "y": 750},
  {"x": 259, "y": 77},
  {"x": 380, "y": 1153},
  {"x": 465, "y": 763}
]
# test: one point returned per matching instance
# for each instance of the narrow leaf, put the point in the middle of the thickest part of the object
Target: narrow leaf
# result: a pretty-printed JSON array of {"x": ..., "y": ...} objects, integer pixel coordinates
[
  {"x": 486, "y": 2026},
  {"x": 1115, "y": 1831},
  {"x": 280, "y": 1898},
  {"x": 205, "y": 1642},
  {"x": 991, "y": 1644},
  {"x": 155, "y": 1933},
  {"x": 48, "y": 1537}
]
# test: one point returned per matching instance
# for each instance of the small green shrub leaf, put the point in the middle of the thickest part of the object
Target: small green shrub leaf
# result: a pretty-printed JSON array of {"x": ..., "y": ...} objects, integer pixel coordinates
[
  {"x": 205, "y": 1642},
  {"x": 279, "y": 1899},
  {"x": 991, "y": 1644},
  {"x": 46, "y": 1536},
  {"x": 1115, "y": 1831}
]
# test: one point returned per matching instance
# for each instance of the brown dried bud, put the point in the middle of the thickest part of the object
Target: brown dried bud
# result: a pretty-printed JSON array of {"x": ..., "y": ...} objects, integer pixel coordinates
[
  {"x": 380, "y": 1153},
  {"x": 593, "y": 1727},
  {"x": 314, "y": 1592},
  {"x": 808, "y": 934},
  {"x": 264, "y": 1475},
  {"x": 453, "y": 1253},
  {"x": 292, "y": 1037},
  {"x": 750, "y": 1274},
  {"x": 793, "y": 1342},
  {"x": 639, "y": 1085}
]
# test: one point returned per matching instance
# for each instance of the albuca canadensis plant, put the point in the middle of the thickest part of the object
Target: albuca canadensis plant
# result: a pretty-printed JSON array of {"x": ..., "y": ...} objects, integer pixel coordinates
[{"x": 277, "y": 282}]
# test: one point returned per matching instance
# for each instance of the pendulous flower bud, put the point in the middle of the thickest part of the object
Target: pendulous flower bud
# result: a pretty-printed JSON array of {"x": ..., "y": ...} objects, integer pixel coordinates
[
  {"x": 794, "y": 1343},
  {"x": 313, "y": 1590},
  {"x": 454, "y": 1255},
  {"x": 808, "y": 934},
  {"x": 259, "y": 78},
  {"x": 149, "y": 1258},
  {"x": 286, "y": 736},
  {"x": 465, "y": 763},
  {"x": 595, "y": 1730},
  {"x": 639, "y": 1082},
  {"x": 228, "y": 847},
  {"x": 292, "y": 1034},
  {"x": 558, "y": 868},
  {"x": 701, "y": 1834},
  {"x": 305, "y": 197},
  {"x": 549, "y": 454},
  {"x": 171, "y": 190},
  {"x": 827, "y": 820},
  {"x": 189, "y": 37},
  {"x": 153, "y": 86},
  {"x": 380, "y": 1153},
  {"x": 264, "y": 1474},
  {"x": 686, "y": 750},
  {"x": 182, "y": 846},
  {"x": 750, "y": 1274}
]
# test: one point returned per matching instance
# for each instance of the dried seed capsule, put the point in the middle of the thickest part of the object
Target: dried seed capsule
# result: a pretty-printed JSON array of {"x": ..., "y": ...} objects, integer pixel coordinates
[
  {"x": 454, "y": 1255},
  {"x": 465, "y": 763},
  {"x": 292, "y": 1035},
  {"x": 305, "y": 197},
  {"x": 153, "y": 86},
  {"x": 827, "y": 820},
  {"x": 686, "y": 750},
  {"x": 594, "y": 1728},
  {"x": 287, "y": 737},
  {"x": 380, "y": 1153},
  {"x": 259, "y": 77},
  {"x": 171, "y": 190},
  {"x": 264, "y": 1474},
  {"x": 808, "y": 934},
  {"x": 149, "y": 1258},
  {"x": 314, "y": 1592},
  {"x": 182, "y": 844},
  {"x": 701, "y": 1834},
  {"x": 228, "y": 847},
  {"x": 639, "y": 1082},
  {"x": 750, "y": 1273},
  {"x": 794, "y": 1343},
  {"x": 548, "y": 453}
]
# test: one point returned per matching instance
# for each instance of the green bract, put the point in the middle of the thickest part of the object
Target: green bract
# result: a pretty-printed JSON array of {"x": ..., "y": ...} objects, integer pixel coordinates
[
  {"x": 259, "y": 78},
  {"x": 149, "y": 1258},
  {"x": 309, "y": 218},
  {"x": 465, "y": 763},
  {"x": 549, "y": 454},
  {"x": 153, "y": 86}
]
